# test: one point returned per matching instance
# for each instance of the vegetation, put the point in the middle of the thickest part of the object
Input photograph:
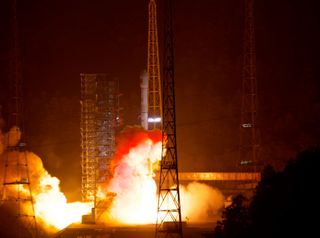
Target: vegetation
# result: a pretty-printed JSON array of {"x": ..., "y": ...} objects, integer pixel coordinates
[{"x": 284, "y": 203}]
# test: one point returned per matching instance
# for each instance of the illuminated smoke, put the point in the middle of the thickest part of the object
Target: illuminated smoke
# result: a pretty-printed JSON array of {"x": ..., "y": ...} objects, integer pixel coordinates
[
  {"x": 51, "y": 208},
  {"x": 137, "y": 156},
  {"x": 136, "y": 199},
  {"x": 137, "y": 150},
  {"x": 200, "y": 202},
  {"x": 51, "y": 205}
]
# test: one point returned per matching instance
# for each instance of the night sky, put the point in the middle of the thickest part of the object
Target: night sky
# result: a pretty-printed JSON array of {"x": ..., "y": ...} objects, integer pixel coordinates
[{"x": 60, "y": 39}]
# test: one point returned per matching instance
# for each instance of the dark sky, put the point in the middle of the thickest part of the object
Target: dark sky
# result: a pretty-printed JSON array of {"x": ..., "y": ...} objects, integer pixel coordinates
[{"x": 61, "y": 39}]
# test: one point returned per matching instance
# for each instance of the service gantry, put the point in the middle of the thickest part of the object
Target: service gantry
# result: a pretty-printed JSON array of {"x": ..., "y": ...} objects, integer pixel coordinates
[
  {"x": 153, "y": 71},
  {"x": 249, "y": 134},
  {"x": 98, "y": 126},
  {"x": 168, "y": 222},
  {"x": 16, "y": 194}
]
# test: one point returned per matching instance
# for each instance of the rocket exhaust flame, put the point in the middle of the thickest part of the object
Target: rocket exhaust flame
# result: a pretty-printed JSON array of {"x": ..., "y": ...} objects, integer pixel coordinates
[
  {"x": 51, "y": 208},
  {"x": 136, "y": 200},
  {"x": 137, "y": 156},
  {"x": 132, "y": 180},
  {"x": 51, "y": 205}
]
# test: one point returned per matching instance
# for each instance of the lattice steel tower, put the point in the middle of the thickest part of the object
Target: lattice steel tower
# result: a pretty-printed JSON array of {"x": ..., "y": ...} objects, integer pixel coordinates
[
  {"x": 16, "y": 194},
  {"x": 169, "y": 210},
  {"x": 153, "y": 70},
  {"x": 249, "y": 137},
  {"x": 98, "y": 125}
]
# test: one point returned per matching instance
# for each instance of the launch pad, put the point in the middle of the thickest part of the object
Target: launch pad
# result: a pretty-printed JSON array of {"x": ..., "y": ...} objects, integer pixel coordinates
[{"x": 190, "y": 230}]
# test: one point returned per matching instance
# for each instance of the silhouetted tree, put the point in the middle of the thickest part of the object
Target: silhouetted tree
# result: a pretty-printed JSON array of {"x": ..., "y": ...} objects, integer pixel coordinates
[
  {"x": 235, "y": 221},
  {"x": 284, "y": 203}
]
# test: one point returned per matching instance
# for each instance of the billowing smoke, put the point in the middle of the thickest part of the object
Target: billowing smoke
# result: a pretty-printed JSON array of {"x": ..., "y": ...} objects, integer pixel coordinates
[
  {"x": 137, "y": 157},
  {"x": 137, "y": 154},
  {"x": 51, "y": 208},
  {"x": 200, "y": 202}
]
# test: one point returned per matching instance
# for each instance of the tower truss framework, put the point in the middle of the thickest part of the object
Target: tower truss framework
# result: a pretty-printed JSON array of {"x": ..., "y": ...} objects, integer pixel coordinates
[
  {"x": 249, "y": 134},
  {"x": 169, "y": 210},
  {"x": 16, "y": 194},
  {"x": 98, "y": 125},
  {"x": 153, "y": 70}
]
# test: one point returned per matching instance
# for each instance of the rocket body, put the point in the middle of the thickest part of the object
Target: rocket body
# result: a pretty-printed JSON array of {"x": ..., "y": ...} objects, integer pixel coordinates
[{"x": 144, "y": 100}]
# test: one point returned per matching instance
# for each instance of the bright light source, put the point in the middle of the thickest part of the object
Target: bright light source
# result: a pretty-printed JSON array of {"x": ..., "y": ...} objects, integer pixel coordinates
[
  {"x": 244, "y": 162},
  {"x": 154, "y": 119},
  {"x": 246, "y": 125}
]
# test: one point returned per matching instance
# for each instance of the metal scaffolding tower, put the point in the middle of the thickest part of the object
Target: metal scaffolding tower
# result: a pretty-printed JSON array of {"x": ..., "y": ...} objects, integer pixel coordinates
[
  {"x": 153, "y": 70},
  {"x": 16, "y": 194},
  {"x": 169, "y": 210},
  {"x": 249, "y": 138},
  {"x": 99, "y": 121},
  {"x": 16, "y": 191}
]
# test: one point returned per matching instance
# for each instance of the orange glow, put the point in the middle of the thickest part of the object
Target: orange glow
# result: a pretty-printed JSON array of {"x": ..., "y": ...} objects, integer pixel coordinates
[
  {"x": 135, "y": 202},
  {"x": 136, "y": 199},
  {"x": 51, "y": 208},
  {"x": 51, "y": 205},
  {"x": 135, "y": 191}
]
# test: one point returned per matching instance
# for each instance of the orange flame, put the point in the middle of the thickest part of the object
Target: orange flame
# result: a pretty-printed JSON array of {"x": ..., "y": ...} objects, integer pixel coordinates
[
  {"x": 51, "y": 208},
  {"x": 132, "y": 180},
  {"x": 137, "y": 155}
]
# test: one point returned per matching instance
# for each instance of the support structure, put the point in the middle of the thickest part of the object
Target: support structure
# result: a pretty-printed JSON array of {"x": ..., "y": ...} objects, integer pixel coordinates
[
  {"x": 169, "y": 210},
  {"x": 16, "y": 190},
  {"x": 249, "y": 137},
  {"x": 153, "y": 70},
  {"x": 99, "y": 121},
  {"x": 16, "y": 194}
]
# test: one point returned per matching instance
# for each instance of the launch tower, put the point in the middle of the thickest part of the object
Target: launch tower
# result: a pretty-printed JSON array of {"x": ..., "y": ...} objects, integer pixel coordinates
[
  {"x": 169, "y": 210},
  {"x": 153, "y": 71},
  {"x": 249, "y": 137},
  {"x": 99, "y": 122},
  {"x": 16, "y": 194}
]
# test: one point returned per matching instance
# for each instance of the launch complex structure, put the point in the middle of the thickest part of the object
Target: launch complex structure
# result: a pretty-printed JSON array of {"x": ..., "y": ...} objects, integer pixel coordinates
[
  {"x": 16, "y": 174},
  {"x": 100, "y": 118},
  {"x": 153, "y": 104},
  {"x": 100, "y": 121}
]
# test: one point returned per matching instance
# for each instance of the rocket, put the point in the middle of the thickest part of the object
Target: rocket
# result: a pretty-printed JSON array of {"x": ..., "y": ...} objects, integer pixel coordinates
[
  {"x": 144, "y": 85},
  {"x": 144, "y": 99}
]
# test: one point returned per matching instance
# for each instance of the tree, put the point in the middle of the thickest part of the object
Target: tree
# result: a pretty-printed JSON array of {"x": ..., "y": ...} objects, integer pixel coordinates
[
  {"x": 235, "y": 220},
  {"x": 282, "y": 205}
]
